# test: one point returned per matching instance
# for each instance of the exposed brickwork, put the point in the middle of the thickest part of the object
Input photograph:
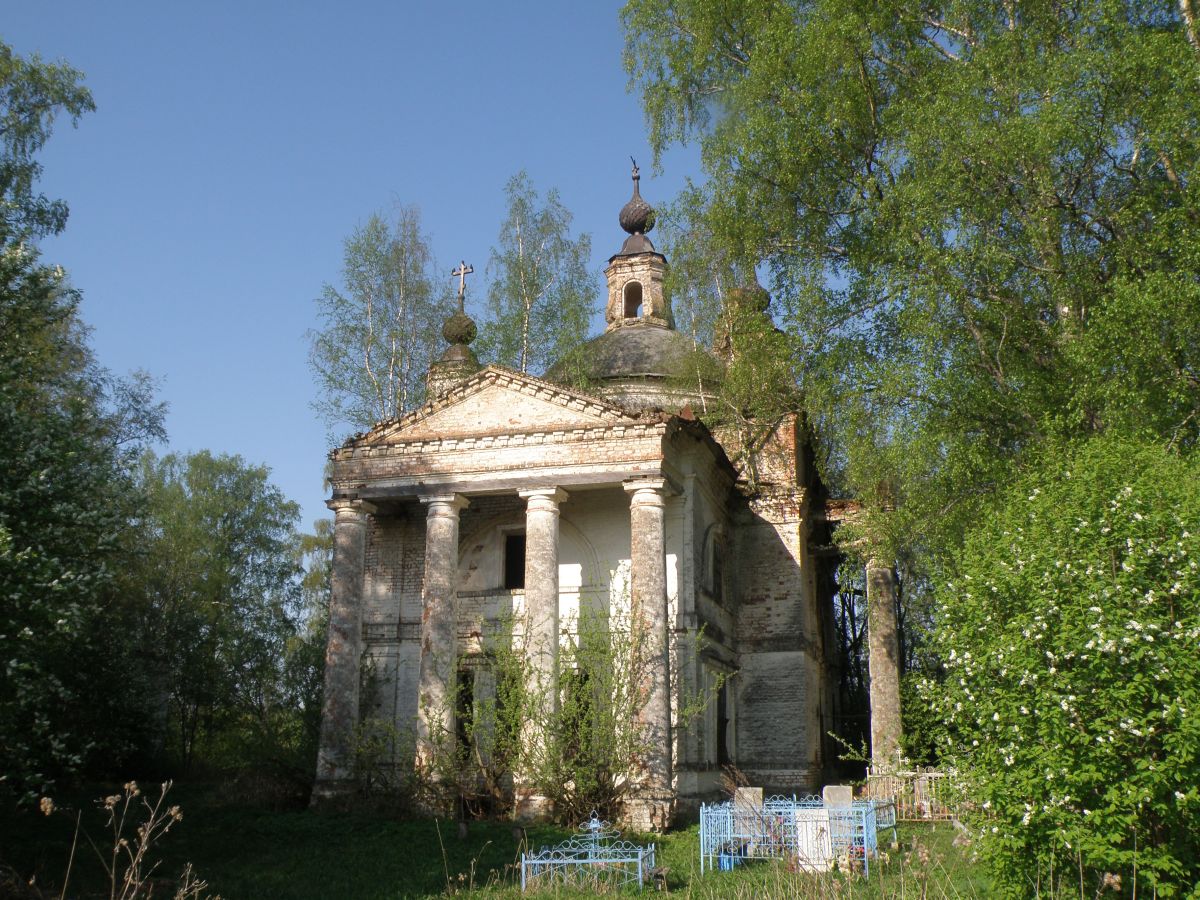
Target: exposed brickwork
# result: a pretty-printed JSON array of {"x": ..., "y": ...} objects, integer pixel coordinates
[{"x": 780, "y": 687}]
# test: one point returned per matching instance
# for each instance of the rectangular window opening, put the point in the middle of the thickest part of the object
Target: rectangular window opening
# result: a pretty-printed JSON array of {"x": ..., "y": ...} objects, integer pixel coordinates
[
  {"x": 514, "y": 562},
  {"x": 724, "y": 757}
]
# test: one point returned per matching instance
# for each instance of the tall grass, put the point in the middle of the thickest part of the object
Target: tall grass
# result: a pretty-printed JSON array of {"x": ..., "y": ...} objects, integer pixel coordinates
[{"x": 248, "y": 852}]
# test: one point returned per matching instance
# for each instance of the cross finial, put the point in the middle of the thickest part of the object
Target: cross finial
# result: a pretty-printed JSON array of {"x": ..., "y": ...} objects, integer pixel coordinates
[{"x": 461, "y": 274}]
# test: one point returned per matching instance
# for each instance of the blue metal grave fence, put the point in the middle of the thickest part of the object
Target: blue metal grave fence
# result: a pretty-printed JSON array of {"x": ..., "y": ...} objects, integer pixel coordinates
[
  {"x": 593, "y": 859},
  {"x": 800, "y": 828}
]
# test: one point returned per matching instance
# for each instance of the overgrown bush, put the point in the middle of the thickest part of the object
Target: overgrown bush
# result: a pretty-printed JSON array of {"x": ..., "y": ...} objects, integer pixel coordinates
[
  {"x": 1069, "y": 634},
  {"x": 585, "y": 751}
]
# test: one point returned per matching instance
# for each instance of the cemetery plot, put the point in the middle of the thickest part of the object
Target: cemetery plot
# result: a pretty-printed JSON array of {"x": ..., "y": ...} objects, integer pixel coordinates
[
  {"x": 812, "y": 832},
  {"x": 596, "y": 859}
]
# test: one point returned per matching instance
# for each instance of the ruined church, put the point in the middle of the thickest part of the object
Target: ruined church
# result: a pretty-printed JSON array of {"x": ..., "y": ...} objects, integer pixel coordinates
[{"x": 507, "y": 495}]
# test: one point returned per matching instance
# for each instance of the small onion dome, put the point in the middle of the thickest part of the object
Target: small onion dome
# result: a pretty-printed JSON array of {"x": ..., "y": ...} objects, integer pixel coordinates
[
  {"x": 637, "y": 216},
  {"x": 753, "y": 297},
  {"x": 459, "y": 329}
]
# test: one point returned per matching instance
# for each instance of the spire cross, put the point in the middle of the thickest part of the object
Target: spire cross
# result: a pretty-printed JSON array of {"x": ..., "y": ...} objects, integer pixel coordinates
[{"x": 461, "y": 274}]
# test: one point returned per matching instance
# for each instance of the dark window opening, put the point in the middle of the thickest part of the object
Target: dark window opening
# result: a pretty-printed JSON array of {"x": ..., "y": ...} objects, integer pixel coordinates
[
  {"x": 514, "y": 561},
  {"x": 723, "y": 756},
  {"x": 578, "y": 712},
  {"x": 718, "y": 572},
  {"x": 633, "y": 300},
  {"x": 464, "y": 708}
]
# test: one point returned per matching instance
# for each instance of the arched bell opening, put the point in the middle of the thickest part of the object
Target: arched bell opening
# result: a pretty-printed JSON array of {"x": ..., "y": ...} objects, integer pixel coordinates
[{"x": 633, "y": 300}]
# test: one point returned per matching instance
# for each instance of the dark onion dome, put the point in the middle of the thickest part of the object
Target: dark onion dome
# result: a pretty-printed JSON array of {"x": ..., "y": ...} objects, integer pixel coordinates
[
  {"x": 637, "y": 216},
  {"x": 459, "y": 329},
  {"x": 633, "y": 351},
  {"x": 753, "y": 297}
]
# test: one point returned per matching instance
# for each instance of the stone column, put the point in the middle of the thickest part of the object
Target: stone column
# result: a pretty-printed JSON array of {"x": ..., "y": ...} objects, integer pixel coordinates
[
  {"x": 339, "y": 714},
  {"x": 652, "y": 807},
  {"x": 541, "y": 621},
  {"x": 541, "y": 586},
  {"x": 884, "y": 649},
  {"x": 439, "y": 626}
]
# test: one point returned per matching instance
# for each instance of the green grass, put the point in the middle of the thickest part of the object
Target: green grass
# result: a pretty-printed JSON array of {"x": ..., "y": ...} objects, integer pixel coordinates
[{"x": 248, "y": 853}]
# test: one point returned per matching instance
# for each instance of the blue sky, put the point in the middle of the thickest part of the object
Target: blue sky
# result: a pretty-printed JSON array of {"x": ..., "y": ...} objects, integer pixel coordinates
[{"x": 235, "y": 145}]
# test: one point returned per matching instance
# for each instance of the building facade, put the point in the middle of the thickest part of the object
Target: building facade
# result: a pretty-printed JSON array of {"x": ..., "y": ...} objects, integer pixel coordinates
[{"x": 513, "y": 498}]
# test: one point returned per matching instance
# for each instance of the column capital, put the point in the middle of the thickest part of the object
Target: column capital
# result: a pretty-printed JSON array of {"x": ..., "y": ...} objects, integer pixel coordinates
[
  {"x": 444, "y": 504},
  {"x": 347, "y": 505},
  {"x": 647, "y": 491},
  {"x": 547, "y": 495}
]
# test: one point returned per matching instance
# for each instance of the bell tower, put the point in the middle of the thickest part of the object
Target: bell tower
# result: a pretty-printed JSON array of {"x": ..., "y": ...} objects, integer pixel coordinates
[{"x": 635, "y": 273}]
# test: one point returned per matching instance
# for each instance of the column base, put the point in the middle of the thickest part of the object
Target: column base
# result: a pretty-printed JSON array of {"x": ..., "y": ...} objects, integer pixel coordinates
[
  {"x": 649, "y": 812},
  {"x": 434, "y": 805},
  {"x": 333, "y": 793},
  {"x": 532, "y": 808},
  {"x": 432, "y": 796}
]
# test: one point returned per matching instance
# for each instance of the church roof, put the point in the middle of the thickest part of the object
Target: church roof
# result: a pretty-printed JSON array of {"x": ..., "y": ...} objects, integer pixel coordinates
[{"x": 635, "y": 350}]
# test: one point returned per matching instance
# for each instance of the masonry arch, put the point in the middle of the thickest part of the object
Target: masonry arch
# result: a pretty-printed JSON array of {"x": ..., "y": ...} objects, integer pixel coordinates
[{"x": 632, "y": 295}]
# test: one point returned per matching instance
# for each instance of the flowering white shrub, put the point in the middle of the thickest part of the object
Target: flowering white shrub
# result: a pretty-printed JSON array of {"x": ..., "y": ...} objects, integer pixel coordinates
[{"x": 1070, "y": 632}]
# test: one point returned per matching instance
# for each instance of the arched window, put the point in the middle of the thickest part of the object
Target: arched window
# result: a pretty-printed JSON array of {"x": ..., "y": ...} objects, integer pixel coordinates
[{"x": 633, "y": 299}]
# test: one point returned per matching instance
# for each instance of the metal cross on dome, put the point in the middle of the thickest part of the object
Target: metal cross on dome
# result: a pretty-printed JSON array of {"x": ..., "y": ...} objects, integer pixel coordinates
[{"x": 461, "y": 274}]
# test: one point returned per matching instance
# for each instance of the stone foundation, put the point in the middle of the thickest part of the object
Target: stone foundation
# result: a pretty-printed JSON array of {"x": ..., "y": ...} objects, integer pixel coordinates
[{"x": 649, "y": 812}]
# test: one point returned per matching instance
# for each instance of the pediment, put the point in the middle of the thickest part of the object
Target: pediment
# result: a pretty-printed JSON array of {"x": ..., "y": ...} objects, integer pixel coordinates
[{"x": 497, "y": 401}]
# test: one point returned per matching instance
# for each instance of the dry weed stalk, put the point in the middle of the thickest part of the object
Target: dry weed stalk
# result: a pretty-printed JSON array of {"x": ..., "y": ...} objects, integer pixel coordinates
[{"x": 127, "y": 864}]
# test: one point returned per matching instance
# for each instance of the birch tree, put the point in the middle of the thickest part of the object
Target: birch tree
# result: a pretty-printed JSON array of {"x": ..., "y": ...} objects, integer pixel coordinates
[
  {"x": 380, "y": 329},
  {"x": 981, "y": 220},
  {"x": 956, "y": 203},
  {"x": 540, "y": 290}
]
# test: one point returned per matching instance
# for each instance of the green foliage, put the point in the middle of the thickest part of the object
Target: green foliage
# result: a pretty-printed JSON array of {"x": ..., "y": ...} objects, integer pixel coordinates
[
  {"x": 589, "y": 756},
  {"x": 583, "y": 749},
  {"x": 220, "y": 581},
  {"x": 925, "y": 736},
  {"x": 32, "y": 95},
  {"x": 128, "y": 597},
  {"x": 950, "y": 199},
  {"x": 700, "y": 276},
  {"x": 67, "y": 699},
  {"x": 379, "y": 333},
  {"x": 756, "y": 388},
  {"x": 1069, "y": 628},
  {"x": 539, "y": 290},
  {"x": 980, "y": 220},
  {"x": 579, "y": 749},
  {"x": 304, "y": 652},
  {"x": 63, "y": 496}
]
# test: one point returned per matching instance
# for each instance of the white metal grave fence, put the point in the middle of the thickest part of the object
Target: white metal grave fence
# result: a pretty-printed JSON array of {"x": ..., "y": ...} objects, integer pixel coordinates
[
  {"x": 919, "y": 795},
  {"x": 593, "y": 860},
  {"x": 799, "y": 828}
]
